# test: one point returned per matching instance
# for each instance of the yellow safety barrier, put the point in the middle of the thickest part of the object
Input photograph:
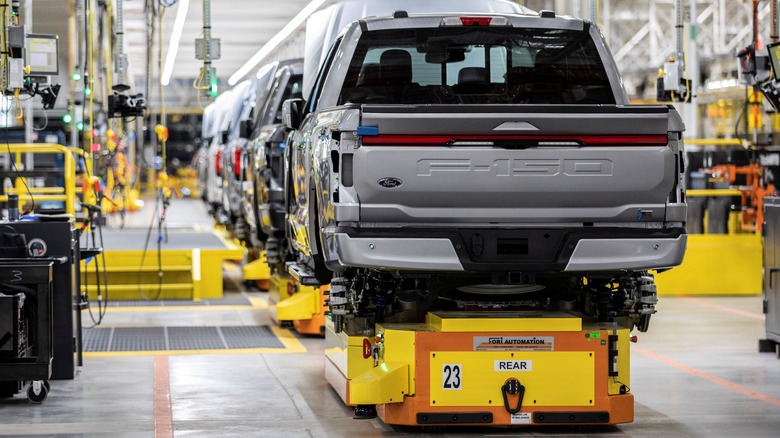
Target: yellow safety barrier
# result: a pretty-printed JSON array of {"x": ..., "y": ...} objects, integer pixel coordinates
[
  {"x": 49, "y": 193},
  {"x": 716, "y": 142},
  {"x": 716, "y": 264},
  {"x": 712, "y": 192}
]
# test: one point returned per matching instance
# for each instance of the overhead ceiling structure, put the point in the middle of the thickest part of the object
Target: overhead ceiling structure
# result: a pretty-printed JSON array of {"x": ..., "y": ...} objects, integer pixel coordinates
[
  {"x": 242, "y": 26},
  {"x": 640, "y": 33}
]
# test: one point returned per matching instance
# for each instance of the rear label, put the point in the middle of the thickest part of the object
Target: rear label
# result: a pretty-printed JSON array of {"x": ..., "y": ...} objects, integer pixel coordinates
[
  {"x": 521, "y": 418},
  {"x": 452, "y": 378},
  {"x": 514, "y": 343},
  {"x": 512, "y": 365},
  {"x": 475, "y": 378}
]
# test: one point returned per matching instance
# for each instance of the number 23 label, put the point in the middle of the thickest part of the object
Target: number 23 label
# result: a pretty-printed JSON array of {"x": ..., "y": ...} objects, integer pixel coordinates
[{"x": 452, "y": 376}]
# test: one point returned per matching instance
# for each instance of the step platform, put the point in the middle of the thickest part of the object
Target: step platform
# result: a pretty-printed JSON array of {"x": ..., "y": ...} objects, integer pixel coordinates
[
  {"x": 188, "y": 264},
  {"x": 485, "y": 368}
]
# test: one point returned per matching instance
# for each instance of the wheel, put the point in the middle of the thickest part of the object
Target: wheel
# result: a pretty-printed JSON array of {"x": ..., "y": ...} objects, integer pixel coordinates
[
  {"x": 263, "y": 285},
  {"x": 47, "y": 385},
  {"x": 321, "y": 271},
  {"x": 766, "y": 346},
  {"x": 42, "y": 391}
]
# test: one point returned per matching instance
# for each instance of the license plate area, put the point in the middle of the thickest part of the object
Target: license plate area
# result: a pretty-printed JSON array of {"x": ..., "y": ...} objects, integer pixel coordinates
[
  {"x": 475, "y": 378},
  {"x": 512, "y": 245}
]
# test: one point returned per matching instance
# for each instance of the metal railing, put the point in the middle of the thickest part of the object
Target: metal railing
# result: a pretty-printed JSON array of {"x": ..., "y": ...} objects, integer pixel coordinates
[{"x": 54, "y": 193}]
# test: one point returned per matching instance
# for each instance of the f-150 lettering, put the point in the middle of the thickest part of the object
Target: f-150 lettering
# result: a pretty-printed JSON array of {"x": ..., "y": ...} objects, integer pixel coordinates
[{"x": 517, "y": 167}]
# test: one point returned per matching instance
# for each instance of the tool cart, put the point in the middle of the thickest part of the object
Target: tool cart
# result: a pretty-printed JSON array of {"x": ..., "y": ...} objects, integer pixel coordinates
[{"x": 26, "y": 327}]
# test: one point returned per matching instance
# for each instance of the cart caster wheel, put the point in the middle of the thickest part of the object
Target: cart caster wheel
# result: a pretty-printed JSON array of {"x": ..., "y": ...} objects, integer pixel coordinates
[
  {"x": 42, "y": 393},
  {"x": 365, "y": 412},
  {"x": 47, "y": 385}
]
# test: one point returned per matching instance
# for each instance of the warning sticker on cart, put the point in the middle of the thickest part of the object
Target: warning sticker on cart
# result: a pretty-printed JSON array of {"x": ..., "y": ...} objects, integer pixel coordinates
[
  {"x": 521, "y": 418},
  {"x": 514, "y": 343}
]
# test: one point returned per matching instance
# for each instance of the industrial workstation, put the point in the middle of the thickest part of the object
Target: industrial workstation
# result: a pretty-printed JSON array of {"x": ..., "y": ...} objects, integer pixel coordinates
[{"x": 327, "y": 218}]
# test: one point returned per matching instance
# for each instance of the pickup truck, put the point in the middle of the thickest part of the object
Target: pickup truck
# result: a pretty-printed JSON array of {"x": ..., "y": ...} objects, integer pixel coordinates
[
  {"x": 215, "y": 125},
  {"x": 263, "y": 199},
  {"x": 481, "y": 161}
]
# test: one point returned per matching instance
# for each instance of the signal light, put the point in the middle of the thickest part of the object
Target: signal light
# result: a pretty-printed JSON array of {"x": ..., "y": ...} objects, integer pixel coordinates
[
  {"x": 80, "y": 126},
  {"x": 237, "y": 165},
  {"x": 67, "y": 119},
  {"x": 76, "y": 76},
  {"x": 218, "y": 163},
  {"x": 213, "y": 83}
]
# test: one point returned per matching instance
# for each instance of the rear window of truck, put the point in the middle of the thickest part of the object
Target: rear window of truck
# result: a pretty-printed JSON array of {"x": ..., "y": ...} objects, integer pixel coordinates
[{"x": 476, "y": 65}]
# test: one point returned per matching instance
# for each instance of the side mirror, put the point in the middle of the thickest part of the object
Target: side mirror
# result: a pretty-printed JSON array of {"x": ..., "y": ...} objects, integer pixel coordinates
[
  {"x": 225, "y": 137},
  {"x": 245, "y": 128},
  {"x": 291, "y": 113}
]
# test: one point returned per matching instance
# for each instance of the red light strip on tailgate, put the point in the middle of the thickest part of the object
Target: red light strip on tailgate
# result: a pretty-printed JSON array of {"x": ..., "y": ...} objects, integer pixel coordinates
[{"x": 584, "y": 140}]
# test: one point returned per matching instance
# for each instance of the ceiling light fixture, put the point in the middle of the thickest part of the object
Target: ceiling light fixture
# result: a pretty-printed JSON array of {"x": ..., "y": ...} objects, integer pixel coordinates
[
  {"x": 173, "y": 48},
  {"x": 275, "y": 40}
]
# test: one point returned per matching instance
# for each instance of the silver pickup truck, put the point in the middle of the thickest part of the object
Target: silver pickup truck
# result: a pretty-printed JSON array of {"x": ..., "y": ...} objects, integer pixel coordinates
[{"x": 481, "y": 161}]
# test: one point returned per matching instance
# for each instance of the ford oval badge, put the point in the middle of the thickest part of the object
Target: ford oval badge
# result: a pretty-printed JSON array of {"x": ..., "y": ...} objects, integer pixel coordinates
[{"x": 389, "y": 182}]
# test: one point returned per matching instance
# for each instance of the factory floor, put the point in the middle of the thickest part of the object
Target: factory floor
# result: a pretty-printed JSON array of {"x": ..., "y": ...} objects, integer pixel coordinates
[{"x": 696, "y": 373}]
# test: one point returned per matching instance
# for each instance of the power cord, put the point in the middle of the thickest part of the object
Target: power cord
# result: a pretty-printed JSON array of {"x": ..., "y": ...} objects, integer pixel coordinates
[
  {"x": 94, "y": 220},
  {"x": 161, "y": 199},
  {"x": 13, "y": 162}
]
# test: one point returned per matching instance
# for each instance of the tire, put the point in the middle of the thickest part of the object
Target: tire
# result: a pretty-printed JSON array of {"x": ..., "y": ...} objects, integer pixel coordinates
[{"x": 321, "y": 271}]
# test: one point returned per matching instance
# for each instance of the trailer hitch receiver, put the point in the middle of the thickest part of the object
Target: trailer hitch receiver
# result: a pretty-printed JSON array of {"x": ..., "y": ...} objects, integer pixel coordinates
[{"x": 513, "y": 387}]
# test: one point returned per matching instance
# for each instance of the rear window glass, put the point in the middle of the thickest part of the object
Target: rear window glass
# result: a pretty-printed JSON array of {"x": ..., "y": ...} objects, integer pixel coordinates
[{"x": 476, "y": 65}]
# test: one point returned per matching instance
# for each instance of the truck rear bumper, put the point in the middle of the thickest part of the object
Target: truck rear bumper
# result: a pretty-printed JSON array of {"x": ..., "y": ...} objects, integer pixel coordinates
[
  {"x": 398, "y": 253},
  {"x": 608, "y": 254},
  {"x": 461, "y": 251}
]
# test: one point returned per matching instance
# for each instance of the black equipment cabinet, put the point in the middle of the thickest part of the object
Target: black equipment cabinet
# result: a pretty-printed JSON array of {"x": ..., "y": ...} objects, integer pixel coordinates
[
  {"x": 57, "y": 241},
  {"x": 26, "y": 347},
  {"x": 771, "y": 276}
]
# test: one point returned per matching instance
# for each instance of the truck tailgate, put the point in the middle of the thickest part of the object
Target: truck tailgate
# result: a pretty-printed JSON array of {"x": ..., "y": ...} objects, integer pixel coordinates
[{"x": 514, "y": 164}]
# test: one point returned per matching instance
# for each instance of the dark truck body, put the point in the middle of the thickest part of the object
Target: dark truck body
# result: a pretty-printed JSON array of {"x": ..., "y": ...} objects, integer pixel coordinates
[{"x": 263, "y": 192}]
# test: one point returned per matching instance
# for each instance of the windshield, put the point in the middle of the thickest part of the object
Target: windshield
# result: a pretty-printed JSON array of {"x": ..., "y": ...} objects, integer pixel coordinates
[{"x": 476, "y": 65}]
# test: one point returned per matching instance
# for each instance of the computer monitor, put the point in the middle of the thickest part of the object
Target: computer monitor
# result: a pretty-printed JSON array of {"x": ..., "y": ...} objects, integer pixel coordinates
[
  {"x": 42, "y": 55},
  {"x": 774, "y": 59}
]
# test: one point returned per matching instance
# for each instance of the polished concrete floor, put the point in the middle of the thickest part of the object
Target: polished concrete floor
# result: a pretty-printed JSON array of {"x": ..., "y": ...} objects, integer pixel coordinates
[{"x": 696, "y": 373}]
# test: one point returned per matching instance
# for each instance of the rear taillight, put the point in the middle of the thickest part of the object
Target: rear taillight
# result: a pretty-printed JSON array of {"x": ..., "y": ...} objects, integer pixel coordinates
[
  {"x": 474, "y": 21},
  {"x": 529, "y": 140},
  {"x": 237, "y": 162},
  {"x": 218, "y": 162}
]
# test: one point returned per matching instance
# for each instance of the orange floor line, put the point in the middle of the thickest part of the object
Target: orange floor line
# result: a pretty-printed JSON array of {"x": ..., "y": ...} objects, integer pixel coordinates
[
  {"x": 709, "y": 377},
  {"x": 723, "y": 308},
  {"x": 163, "y": 417}
]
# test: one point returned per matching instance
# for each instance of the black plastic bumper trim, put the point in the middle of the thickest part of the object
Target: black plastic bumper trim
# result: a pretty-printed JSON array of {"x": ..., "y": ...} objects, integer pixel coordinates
[
  {"x": 571, "y": 417},
  {"x": 454, "y": 417}
]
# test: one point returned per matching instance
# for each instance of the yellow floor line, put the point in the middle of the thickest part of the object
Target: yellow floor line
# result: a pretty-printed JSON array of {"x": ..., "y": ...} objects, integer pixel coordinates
[
  {"x": 177, "y": 308},
  {"x": 191, "y": 352},
  {"x": 254, "y": 303},
  {"x": 288, "y": 339},
  {"x": 258, "y": 302}
]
